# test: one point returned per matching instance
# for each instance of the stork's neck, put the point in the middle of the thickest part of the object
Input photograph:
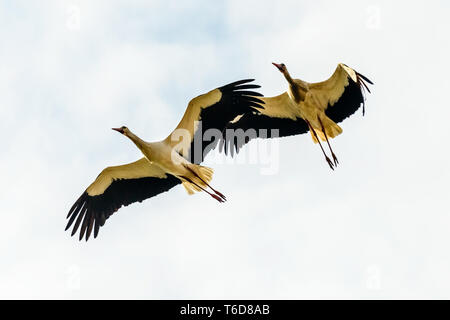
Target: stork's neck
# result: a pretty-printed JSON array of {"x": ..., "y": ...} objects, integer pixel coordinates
[
  {"x": 294, "y": 87},
  {"x": 141, "y": 144},
  {"x": 289, "y": 79}
]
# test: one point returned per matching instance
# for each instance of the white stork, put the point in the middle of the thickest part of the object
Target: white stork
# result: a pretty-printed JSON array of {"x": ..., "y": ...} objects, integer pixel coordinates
[
  {"x": 165, "y": 163},
  {"x": 316, "y": 107}
]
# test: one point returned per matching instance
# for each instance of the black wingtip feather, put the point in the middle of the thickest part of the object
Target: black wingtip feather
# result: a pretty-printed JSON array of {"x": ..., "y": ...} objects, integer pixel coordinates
[
  {"x": 77, "y": 223},
  {"x": 84, "y": 225},
  {"x": 236, "y": 83},
  {"x": 102, "y": 219},
  {"x": 72, "y": 210},
  {"x": 364, "y": 78},
  {"x": 91, "y": 224},
  {"x": 81, "y": 204},
  {"x": 255, "y": 105},
  {"x": 365, "y": 85},
  {"x": 251, "y": 93},
  {"x": 69, "y": 223},
  {"x": 254, "y": 99},
  {"x": 247, "y": 86},
  {"x": 96, "y": 228}
]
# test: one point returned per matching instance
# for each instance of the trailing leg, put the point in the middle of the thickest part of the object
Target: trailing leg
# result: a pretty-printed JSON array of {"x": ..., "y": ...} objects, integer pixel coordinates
[
  {"x": 203, "y": 189},
  {"x": 206, "y": 183},
  {"x": 318, "y": 140},
  {"x": 328, "y": 142}
]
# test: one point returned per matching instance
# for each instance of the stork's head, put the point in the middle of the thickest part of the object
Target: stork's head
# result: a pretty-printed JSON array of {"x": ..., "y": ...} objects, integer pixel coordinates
[
  {"x": 281, "y": 67},
  {"x": 141, "y": 144},
  {"x": 123, "y": 130}
]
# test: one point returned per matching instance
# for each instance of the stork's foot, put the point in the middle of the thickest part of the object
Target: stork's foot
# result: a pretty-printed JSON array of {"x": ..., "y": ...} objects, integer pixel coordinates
[
  {"x": 220, "y": 195},
  {"x": 335, "y": 159},
  {"x": 330, "y": 163},
  {"x": 217, "y": 198}
]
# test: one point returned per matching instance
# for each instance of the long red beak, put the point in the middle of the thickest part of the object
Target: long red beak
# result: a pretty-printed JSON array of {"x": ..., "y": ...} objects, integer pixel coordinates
[
  {"x": 277, "y": 65},
  {"x": 118, "y": 130}
]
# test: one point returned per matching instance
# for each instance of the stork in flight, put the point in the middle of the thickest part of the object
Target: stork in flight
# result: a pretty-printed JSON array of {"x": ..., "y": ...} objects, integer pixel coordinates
[
  {"x": 316, "y": 107},
  {"x": 165, "y": 163}
]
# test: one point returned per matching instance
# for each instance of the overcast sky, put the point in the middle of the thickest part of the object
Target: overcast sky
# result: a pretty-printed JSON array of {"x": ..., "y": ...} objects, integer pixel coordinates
[{"x": 377, "y": 227}]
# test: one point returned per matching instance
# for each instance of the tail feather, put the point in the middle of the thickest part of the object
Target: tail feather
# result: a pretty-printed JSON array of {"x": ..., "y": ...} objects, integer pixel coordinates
[
  {"x": 197, "y": 171},
  {"x": 205, "y": 173},
  {"x": 190, "y": 188},
  {"x": 331, "y": 129}
]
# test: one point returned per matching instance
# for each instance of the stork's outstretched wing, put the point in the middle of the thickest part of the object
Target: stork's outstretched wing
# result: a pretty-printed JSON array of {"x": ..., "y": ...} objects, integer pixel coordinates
[
  {"x": 116, "y": 187},
  {"x": 340, "y": 96},
  {"x": 207, "y": 115}
]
